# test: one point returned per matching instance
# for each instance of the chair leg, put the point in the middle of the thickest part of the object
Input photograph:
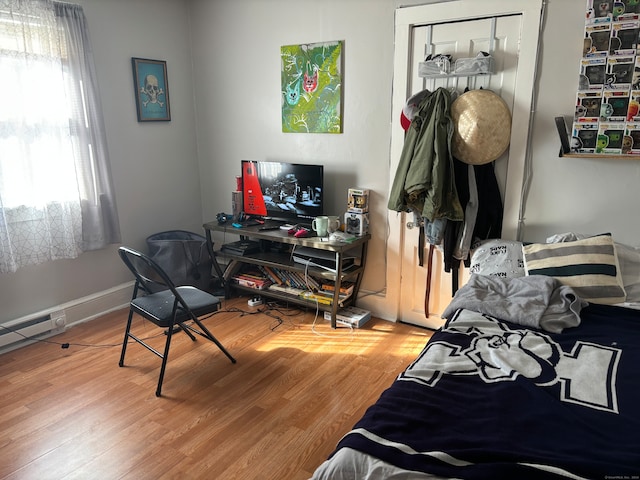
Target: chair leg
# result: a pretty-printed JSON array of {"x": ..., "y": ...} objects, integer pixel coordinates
[
  {"x": 126, "y": 338},
  {"x": 181, "y": 327},
  {"x": 208, "y": 335},
  {"x": 186, "y": 330},
  {"x": 165, "y": 356}
]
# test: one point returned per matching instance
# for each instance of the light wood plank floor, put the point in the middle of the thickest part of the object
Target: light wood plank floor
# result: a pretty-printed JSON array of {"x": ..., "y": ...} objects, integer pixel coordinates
[{"x": 276, "y": 414}]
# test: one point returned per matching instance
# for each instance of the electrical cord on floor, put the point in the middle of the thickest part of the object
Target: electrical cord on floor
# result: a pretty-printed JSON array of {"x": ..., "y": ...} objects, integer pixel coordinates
[
  {"x": 317, "y": 314},
  {"x": 264, "y": 311},
  {"x": 66, "y": 345},
  {"x": 268, "y": 309},
  {"x": 282, "y": 311}
]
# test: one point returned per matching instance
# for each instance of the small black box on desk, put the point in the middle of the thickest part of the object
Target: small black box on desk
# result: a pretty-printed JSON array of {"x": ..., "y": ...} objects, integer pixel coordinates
[{"x": 241, "y": 247}]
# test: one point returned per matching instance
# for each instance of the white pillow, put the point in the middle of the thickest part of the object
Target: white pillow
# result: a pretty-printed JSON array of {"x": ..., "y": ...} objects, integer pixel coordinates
[
  {"x": 498, "y": 258},
  {"x": 629, "y": 260},
  {"x": 590, "y": 266}
]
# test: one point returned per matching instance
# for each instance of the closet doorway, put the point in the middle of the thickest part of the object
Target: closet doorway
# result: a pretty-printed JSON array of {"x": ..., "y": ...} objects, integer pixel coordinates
[{"x": 507, "y": 30}]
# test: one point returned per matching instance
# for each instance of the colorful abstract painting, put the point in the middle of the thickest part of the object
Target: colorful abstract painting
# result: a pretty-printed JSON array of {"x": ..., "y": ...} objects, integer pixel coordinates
[{"x": 312, "y": 88}]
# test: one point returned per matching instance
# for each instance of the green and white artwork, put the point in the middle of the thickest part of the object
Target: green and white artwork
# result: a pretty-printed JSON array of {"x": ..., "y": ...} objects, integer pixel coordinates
[{"x": 312, "y": 87}]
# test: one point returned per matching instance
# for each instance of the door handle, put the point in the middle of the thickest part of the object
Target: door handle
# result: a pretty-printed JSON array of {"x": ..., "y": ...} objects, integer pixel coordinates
[{"x": 411, "y": 225}]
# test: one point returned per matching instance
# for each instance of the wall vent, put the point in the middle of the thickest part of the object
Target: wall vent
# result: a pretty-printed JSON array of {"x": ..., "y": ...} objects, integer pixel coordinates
[{"x": 23, "y": 331}]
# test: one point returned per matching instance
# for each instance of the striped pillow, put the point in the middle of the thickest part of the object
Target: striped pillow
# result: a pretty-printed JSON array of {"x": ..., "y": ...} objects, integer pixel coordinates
[{"x": 590, "y": 266}]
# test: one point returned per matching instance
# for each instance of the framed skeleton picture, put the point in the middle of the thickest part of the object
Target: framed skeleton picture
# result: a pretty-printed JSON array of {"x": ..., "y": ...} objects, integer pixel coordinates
[{"x": 151, "y": 90}]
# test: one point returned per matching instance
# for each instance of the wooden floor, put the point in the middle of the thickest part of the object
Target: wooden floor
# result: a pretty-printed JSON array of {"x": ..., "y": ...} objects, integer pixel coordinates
[{"x": 276, "y": 414}]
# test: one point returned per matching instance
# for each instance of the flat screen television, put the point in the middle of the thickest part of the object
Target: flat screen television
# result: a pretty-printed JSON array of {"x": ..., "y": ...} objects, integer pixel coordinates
[{"x": 289, "y": 192}]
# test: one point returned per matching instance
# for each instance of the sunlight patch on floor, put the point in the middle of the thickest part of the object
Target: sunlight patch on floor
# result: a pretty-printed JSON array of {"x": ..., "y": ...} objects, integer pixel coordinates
[{"x": 321, "y": 338}]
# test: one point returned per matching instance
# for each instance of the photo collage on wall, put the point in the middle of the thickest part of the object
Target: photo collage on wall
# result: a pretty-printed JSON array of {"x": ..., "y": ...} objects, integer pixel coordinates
[{"x": 607, "y": 116}]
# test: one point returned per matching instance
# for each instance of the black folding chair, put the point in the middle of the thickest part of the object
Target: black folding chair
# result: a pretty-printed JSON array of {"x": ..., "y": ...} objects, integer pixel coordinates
[{"x": 170, "y": 308}]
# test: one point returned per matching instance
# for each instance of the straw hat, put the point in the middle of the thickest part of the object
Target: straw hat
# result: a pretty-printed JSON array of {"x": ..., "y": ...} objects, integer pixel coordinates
[{"x": 482, "y": 124}]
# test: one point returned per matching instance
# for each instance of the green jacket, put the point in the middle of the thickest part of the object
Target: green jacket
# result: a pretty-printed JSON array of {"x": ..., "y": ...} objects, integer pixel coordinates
[{"x": 424, "y": 181}]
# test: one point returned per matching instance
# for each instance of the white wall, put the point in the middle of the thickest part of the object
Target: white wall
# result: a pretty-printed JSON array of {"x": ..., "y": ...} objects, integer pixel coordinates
[
  {"x": 574, "y": 194},
  {"x": 180, "y": 173}
]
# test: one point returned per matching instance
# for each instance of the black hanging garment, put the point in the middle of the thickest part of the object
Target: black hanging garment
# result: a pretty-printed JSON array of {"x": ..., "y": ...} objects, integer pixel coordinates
[
  {"x": 490, "y": 208},
  {"x": 487, "y": 218}
]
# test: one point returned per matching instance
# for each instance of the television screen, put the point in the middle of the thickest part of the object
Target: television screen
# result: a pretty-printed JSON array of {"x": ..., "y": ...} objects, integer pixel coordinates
[{"x": 282, "y": 191}]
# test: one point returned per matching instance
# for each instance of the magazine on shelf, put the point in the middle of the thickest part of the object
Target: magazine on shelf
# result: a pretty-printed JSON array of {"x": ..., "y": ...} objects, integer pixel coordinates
[
  {"x": 252, "y": 279},
  {"x": 251, "y": 283},
  {"x": 316, "y": 297},
  {"x": 286, "y": 289}
]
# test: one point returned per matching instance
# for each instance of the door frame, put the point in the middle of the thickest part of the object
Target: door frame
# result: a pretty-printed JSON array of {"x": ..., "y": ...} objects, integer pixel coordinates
[{"x": 462, "y": 10}]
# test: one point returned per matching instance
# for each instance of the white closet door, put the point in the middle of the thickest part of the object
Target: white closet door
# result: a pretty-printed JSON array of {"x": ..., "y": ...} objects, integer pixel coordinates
[{"x": 510, "y": 34}]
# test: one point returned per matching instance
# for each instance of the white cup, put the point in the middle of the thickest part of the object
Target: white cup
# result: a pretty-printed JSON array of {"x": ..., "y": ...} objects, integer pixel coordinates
[
  {"x": 320, "y": 225},
  {"x": 334, "y": 224}
]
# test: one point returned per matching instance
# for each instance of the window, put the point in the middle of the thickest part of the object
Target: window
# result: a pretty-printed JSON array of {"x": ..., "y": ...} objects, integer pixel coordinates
[{"x": 56, "y": 194}]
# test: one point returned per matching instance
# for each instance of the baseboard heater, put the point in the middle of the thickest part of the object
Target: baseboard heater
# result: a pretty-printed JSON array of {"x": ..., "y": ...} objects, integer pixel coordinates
[{"x": 25, "y": 330}]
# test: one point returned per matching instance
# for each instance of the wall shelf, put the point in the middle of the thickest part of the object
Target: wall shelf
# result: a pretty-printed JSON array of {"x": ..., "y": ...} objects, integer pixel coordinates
[{"x": 598, "y": 155}]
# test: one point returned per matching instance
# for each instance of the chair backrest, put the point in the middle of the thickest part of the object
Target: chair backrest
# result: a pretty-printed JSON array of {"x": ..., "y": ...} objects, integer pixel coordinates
[
  {"x": 149, "y": 275},
  {"x": 183, "y": 256}
]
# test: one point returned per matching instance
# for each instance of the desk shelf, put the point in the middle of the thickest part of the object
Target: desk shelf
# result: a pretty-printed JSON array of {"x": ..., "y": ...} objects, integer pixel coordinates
[
  {"x": 282, "y": 260},
  {"x": 285, "y": 297}
]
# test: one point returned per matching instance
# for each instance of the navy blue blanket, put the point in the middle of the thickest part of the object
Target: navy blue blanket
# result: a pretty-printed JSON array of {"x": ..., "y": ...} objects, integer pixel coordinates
[{"x": 489, "y": 399}]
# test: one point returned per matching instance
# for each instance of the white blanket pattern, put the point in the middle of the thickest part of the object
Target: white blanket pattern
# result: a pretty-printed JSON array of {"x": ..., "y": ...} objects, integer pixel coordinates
[{"x": 534, "y": 301}]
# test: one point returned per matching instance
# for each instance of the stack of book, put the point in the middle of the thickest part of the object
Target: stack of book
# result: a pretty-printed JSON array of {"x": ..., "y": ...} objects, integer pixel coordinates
[
  {"x": 285, "y": 289},
  {"x": 251, "y": 280},
  {"x": 319, "y": 296},
  {"x": 346, "y": 287},
  {"x": 298, "y": 284},
  {"x": 325, "y": 294},
  {"x": 279, "y": 276}
]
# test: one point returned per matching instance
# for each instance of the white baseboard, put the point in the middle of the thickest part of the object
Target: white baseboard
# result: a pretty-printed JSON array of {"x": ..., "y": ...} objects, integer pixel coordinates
[
  {"x": 378, "y": 304},
  {"x": 53, "y": 321},
  {"x": 95, "y": 305}
]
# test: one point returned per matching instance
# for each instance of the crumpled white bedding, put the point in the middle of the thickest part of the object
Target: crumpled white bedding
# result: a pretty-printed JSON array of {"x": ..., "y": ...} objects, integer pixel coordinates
[
  {"x": 350, "y": 464},
  {"x": 536, "y": 301}
]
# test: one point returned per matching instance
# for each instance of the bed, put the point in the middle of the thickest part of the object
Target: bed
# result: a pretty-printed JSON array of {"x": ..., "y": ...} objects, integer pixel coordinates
[{"x": 533, "y": 376}]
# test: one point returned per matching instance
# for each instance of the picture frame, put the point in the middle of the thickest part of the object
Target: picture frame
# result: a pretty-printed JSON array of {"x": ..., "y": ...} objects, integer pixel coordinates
[
  {"x": 151, "y": 89},
  {"x": 311, "y": 87}
]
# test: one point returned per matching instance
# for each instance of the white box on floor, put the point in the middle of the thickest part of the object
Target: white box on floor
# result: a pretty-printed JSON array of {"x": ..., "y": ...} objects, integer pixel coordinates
[{"x": 354, "y": 316}]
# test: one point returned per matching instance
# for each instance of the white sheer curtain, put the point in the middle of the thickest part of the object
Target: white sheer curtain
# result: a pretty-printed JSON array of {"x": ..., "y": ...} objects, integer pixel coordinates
[{"x": 56, "y": 194}]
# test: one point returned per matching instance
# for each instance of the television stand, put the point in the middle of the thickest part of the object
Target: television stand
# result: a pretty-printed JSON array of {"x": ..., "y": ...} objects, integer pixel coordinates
[{"x": 276, "y": 248}]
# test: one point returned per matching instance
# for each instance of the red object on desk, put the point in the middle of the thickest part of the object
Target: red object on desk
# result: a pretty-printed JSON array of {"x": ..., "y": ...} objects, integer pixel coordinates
[{"x": 253, "y": 202}]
